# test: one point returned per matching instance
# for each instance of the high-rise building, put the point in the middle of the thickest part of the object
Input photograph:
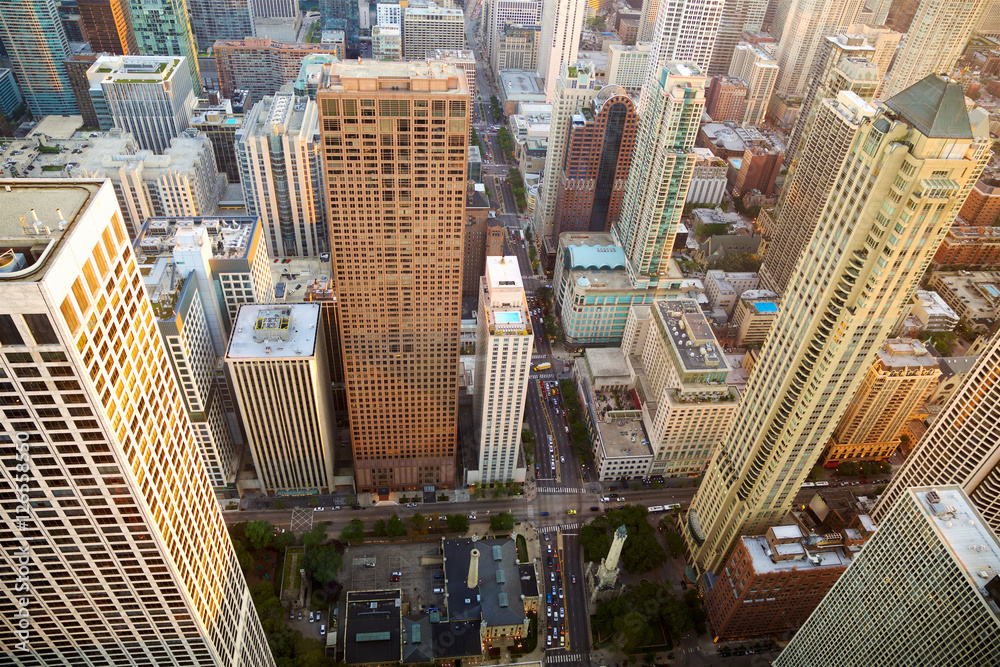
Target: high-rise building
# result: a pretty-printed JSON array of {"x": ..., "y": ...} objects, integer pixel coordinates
[
  {"x": 562, "y": 23},
  {"x": 36, "y": 43},
  {"x": 685, "y": 32},
  {"x": 399, "y": 316},
  {"x": 842, "y": 62},
  {"x": 938, "y": 34},
  {"x": 647, "y": 20},
  {"x": 726, "y": 99},
  {"x": 516, "y": 47},
  {"x": 577, "y": 87},
  {"x": 627, "y": 65},
  {"x": 150, "y": 97},
  {"x": 501, "y": 13},
  {"x": 109, "y": 26},
  {"x": 218, "y": 122},
  {"x": 891, "y": 204},
  {"x": 10, "y": 95},
  {"x": 983, "y": 205},
  {"x": 77, "y": 65},
  {"x": 660, "y": 173},
  {"x": 894, "y": 389},
  {"x": 596, "y": 162},
  {"x": 163, "y": 28},
  {"x": 262, "y": 66},
  {"x": 387, "y": 42},
  {"x": 926, "y": 585},
  {"x": 274, "y": 9},
  {"x": 989, "y": 24},
  {"x": 429, "y": 28},
  {"x": 343, "y": 15},
  {"x": 808, "y": 22},
  {"x": 738, "y": 17},
  {"x": 758, "y": 69},
  {"x": 278, "y": 152},
  {"x": 279, "y": 369},
  {"x": 962, "y": 445},
  {"x": 884, "y": 40},
  {"x": 755, "y": 314},
  {"x": 804, "y": 198},
  {"x": 154, "y": 578},
  {"x": 220, "y": 19},
  {"x": 503, "y": 364}
]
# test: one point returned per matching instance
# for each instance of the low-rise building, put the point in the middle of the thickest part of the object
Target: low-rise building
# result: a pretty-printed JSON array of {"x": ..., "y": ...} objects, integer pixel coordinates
[
  {"x": 387, "y": 42},
  {"x": 772, "y": 582},
  {"x": 517, "y": 48},
  {"x": 755, "y": 314},
  {"x": 262, "y": 66},
  {"x": 518, "y": 87},
  {"x": 932, "y": 312},
  {"x": 973, "y": 295},
  {"x": 982, "y": 207},
  {"x": 723, "y": 288},
  {"x": 372, "y": 627},
  {"x": 708, "y": 180},
  {"x": 758, "y": 168},
  {"x": 969, "y": 247}
]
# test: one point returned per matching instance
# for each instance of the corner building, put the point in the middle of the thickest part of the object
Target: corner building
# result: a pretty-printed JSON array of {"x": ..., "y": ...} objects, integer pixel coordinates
[
  {"x": 130, "y": 562},
  {"x": 898, "y": 190},
  {"x": 395, "y": 139}
]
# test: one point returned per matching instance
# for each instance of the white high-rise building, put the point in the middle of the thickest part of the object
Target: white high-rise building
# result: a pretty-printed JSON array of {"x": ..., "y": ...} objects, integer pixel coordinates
[
  {"x": 884, "y": 40},
  {"x": 123, "y": 543},
  {"x": 925, "y": 588},
  {"x": 685, "y": 32},
  {"x": 738, "y": 16},
  {"x": 278, "y": 363},
  {"x": 962, "y": 446},
  {"x": 663, "y": 162},
  {"x": 577, "y": 87},
  {"x": 939, "y": 31},
  {"x": 514, "y": 12},
  {"x": 503, "y": 364},
  {"x": 808, "y": 22},
  {"x": 389, "y": 13},
  {"x": 627, "y": 65},
  {"x": 758, "y": 69},
  {"x": 647, "y": 20},
  {"x": 150, "y": 97},
  {"x": 274, "y": 9},
  {"x": 894, "y": 197},
  {"x": 562, "y": 23},
  {"x": 281, "y": 173},
  {"x": 429, "y": 28}
]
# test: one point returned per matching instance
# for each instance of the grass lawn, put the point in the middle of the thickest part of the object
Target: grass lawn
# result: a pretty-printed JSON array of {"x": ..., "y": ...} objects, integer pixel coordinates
[
  {"x": 292, "y": 578},
  {"x": 522, "y": 549},
  {"x": 531, "y": 641}
]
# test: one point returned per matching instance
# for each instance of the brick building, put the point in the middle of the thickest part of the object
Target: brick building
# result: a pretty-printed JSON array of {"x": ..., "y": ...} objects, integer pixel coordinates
[
  {"x": 983, "y": 205},
  {"x": 969, "y": 247},
  {"x": 726, "y": 99}
]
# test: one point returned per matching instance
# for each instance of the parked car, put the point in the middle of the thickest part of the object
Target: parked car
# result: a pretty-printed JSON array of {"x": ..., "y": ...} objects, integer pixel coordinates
[
  {"x": 439, "y": 576},
  {"x": 543, "y": 514},
  {"x": 317, "y": 509},
  {"x": 438, "y": 591},
  {"x": 322, "y": 630},
  {"x": 311, "y": 617}
]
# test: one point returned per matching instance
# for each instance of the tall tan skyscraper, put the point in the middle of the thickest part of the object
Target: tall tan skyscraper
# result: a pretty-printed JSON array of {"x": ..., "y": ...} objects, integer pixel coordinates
[
  {"x": 123, "y": 543},
  {"x": 394, "y": 142},
  {"x": 937, "y": 35},
  {"x": 806, "y": 24},
  {"x": 895, "y": 196},
  {"x": 962, "y": 446}
]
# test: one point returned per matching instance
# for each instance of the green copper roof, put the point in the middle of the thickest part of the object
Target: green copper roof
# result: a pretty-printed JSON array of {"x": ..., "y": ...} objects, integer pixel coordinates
[{"x": 935, "y": 107}]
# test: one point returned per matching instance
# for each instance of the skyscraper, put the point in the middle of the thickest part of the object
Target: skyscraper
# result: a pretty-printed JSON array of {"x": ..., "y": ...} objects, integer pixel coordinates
[
  {"x": 738, "y": 16},
  {"x": 281, "y": 173},
  {"x": 342, "y": 15},
  {"x": 396, "y": 242},
  {"x": 261, "y": 65},
  {"x": 562, "y": 22},
  {"x": 429, "y": 28},
  {"x": 808, "y": 22},
  {"x": 660, "y": 173},
  {"x": 758, "y": 69},
  {"x": 934, "y": 41},
  {"x": 596, "y": 163},
  {"x": 36, "y": 43},
  {"x": 220, "y": 19},
  {"x": 109, "y": 26},
  {"x": 803, "y": 199},
  {"x": 162, "y": 28},
  {"x": 926, "y": 585},
  {"x": 896, "y": 194},
  {"x": 962, "y": 446},
  {"x": 153, "y": 578},
  {"x": 685, "y": 32},
  {"x": 503, "y": 364},
  {"x": 500, "y": 13}
]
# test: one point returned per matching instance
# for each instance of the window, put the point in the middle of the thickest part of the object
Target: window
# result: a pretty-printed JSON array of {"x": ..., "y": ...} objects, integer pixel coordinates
[
  {"x": 41, "y": 329},
  {"x": 9, "y": 335}
]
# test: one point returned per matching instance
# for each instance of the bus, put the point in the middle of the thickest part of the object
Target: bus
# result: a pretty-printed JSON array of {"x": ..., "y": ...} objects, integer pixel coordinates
[
  {"x": 808, "y": 485},
  {"x": 821, "y": 484},
  {"x": 543, "y": 367}
]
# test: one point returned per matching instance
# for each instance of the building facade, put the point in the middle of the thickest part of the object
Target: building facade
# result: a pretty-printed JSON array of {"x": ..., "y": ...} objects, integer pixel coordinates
[
  {"x": 840, "y": 305},
  {"x": 932, "y": 552},
  {"x": 758, "y": 69},
  {"x": 33, "y": 36},
  {"x": 596, "y": 162},
  {"x": 726, "y": 99},
  {"x": 685, "y": 32},
  {"x": 503, "y": 13},
  {"x": 220, "y": 19},
  {"x": 154, "y": 578},
  {"x": 755, "y": 314},
  {"x": 220, "y": 125},
  {"x": 429, "y": 28},
  {"x": 400, "y": 317},
  {"x": 503, "y": 365},
  {"x": 109, "y": 26},
  {"x": 516, "y": 47},
  {"x": 562, "y": 23},
  {"x": 983, "y": 205},
  {"x": 627, "y": 66},
  {"x": 806, "y": 25},
  {"x": 262, "y": 66},
  {"x": 164, "y": 29}
]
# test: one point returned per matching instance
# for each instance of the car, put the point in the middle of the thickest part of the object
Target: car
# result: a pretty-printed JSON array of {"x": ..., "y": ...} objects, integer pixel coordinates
[
  {"x": 548, "y": 561},
  {"x": 355, "y": 507},
  {"x": 442, "y": 517},
  {"x": 595, "y": 508},
  {"x": 322, "y": 630},
  {"x": 543, "y": 514},
  {"x": 620, "y": 499},
  {"x": 606, "y": 499},
  {"x": 393, "y": 579},
  {"x": 562, "y": 459},
  {"x": 411, "y": 504},
  {"x": 472, "y": 516},
  {"x": 397, "y": 574},
  {"x": 573, "y": 578},
  {"x": 548, "y": 641},
  {"x": 438, "y": 591},
  {"x": 439, "y": 576},
  {"x": 570, "y": 512},
  {"x": 291, "y": 615},
  {"x": 312, "y": 619},
  {"x": 552, "y": 576},
  {"x": 335, "y": 508},
  {"x": 548, "y": 610},
  {"x": 300, "y": 615},
  {"x": 317, "y": 509}
]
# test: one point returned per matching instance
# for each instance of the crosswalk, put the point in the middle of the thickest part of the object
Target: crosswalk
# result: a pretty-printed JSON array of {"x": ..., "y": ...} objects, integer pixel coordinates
[
  {"x": 562, "y": 657},
  {"x": 564, "y": 527},
  {"x": 559, "y": 489}
]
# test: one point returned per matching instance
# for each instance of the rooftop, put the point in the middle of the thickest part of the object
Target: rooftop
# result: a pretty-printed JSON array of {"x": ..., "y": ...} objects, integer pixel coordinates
[
  {"x": 899, "y": 353},
  {"x": 274, "y": 331},
  {"x": 515, "y": 82},
  {"x": 443, "y": 78},
  {"x": 35, "y": 216},
  {"x": 229, "y": 237},
  {"x": 935, "y": 107},
  {"x": 133, "y": 69},
  {"x": 373, "y": 627},
  {"x": 624, "y": 439},
  {"x": 281, "y": 113},
  {"x": 497, "y": 597},
  {"x": 934, "y": 304},
  {"x": 691, "y": 336},
  {"x": 763, "y": 563}
]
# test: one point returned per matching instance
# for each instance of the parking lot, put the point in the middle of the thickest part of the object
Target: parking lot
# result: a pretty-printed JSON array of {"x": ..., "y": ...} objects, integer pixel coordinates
[{"x": 371, "y": 566}]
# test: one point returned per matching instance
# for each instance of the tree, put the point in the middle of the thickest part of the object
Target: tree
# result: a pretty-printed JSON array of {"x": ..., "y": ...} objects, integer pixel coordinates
[
  {"x": 323, "y": 563},
  {"x": 259, "y": 534},
  {"x": 284, "y": 540},
  {"x": 314, "y": 536},
  {"x": 502, "y": 522},
  {"x": 395, "y": 527},
  {"x": 380, "y": 528},
  {"x": 458, "y": 523},
  {"x": 418, "y": 522},
  {"x": 848, "y": 469},
  {"x": 244, "y": 557},
  {"x": 353, "y": 532},
  {"x": 674, "y": 543}
]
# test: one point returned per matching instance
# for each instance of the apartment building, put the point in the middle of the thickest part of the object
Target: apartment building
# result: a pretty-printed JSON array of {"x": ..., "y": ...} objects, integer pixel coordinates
[
  {"x": 627, "y": 65},
  {"x": 262, "y": 66},
  {"x": 432, "y": 27},
  {"x": 758, "y": 69},
  {"x": 35, "y": 41},
  {"x": 164, "y": 29},
  {"x": 109, "y": 26},
  {"x": 755, "y": 314}
]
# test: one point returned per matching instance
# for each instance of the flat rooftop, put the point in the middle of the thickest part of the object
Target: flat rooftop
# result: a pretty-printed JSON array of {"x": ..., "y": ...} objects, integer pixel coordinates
[
  {"x": 297, "y": 275},
  {"x": 906, "y": 353},
  {"x": 691, "y": 336},
  {"x": 274, "y": 331},
  {"x": 229, "y": 236},
  {"x": 50, "y": 201},
  {"x": 515, "y": 82},
  {"x": 438, "y": 77},
  {"x": 622, "y": 439},
  {"x": 759, "y": 551},
  {"x": 373, "y": 627}
]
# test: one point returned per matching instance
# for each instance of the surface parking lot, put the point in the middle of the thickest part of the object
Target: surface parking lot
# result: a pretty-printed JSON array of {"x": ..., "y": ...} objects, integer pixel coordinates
[{"x": 417, "y": 574}]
